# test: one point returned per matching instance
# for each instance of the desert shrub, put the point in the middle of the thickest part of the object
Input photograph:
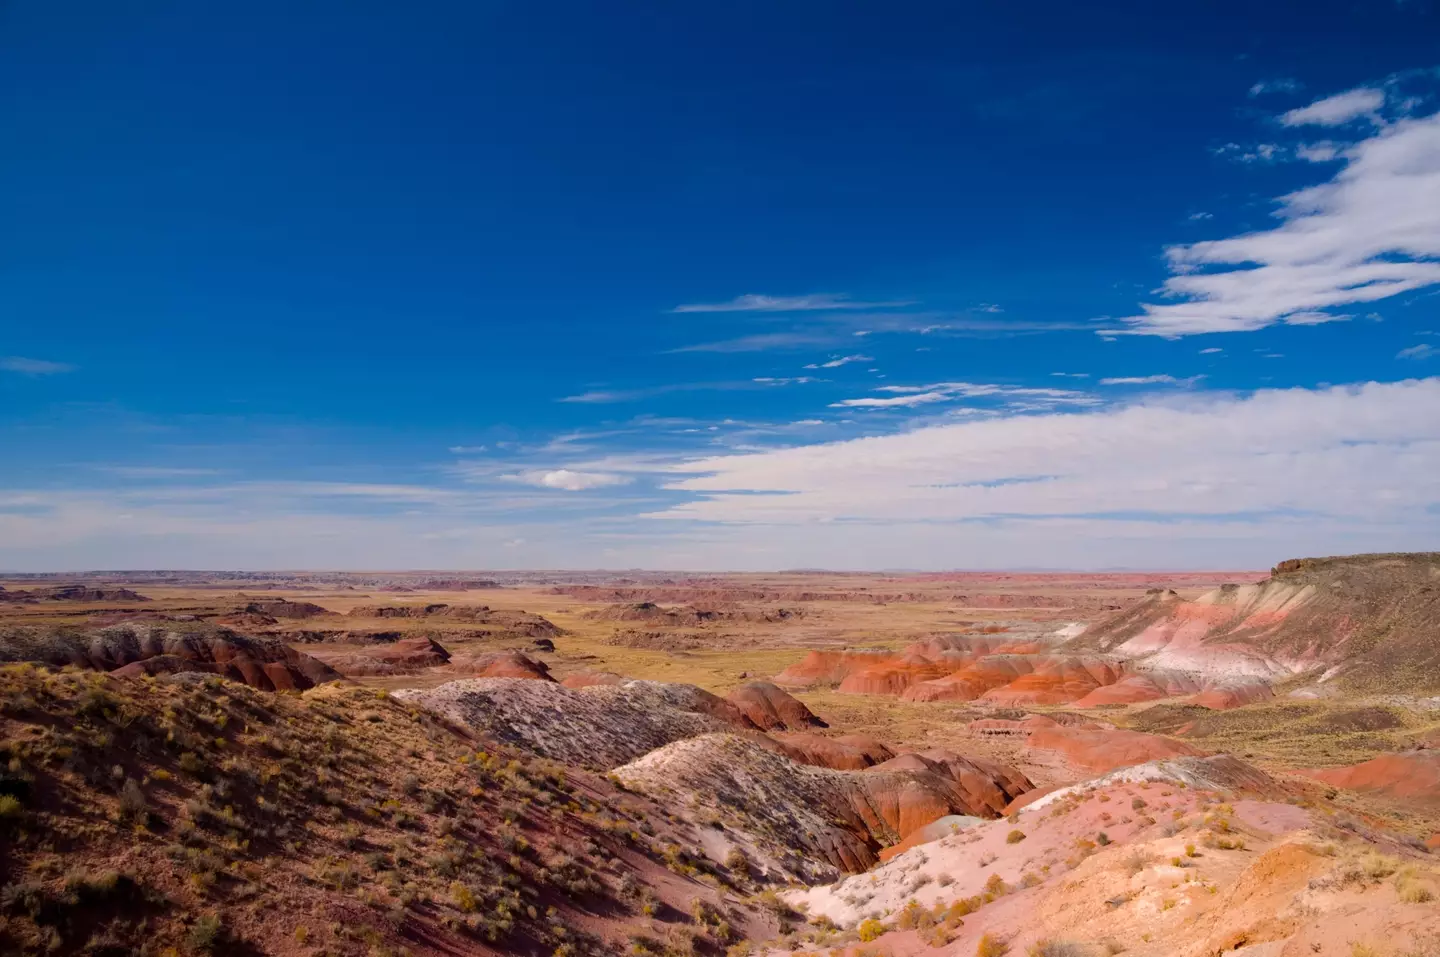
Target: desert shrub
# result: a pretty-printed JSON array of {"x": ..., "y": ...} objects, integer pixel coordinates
[
  {"x": 990, "y": 946},
  {"x": 206, "y": 933},
  {"x": 1102, "y": 839},
  {"x": 133, "y": 805},
  {"x": 870, "y": 929},
  {"x": 1055, "y": 948},
  {"x": 1014, "y": 837},
  {"x": 10, "y": 808}
]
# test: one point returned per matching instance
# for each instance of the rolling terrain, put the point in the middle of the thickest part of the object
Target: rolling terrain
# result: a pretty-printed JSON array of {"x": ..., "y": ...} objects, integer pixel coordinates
[{"x": 579, "y": 763}]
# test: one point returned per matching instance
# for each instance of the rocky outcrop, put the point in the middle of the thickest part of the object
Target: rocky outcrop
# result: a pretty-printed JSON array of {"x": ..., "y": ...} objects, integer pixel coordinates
[
  {"x": 276, "y": 608},
  {"x": 770, "y": 708},
  {"x": 847, "y": 752},
  {"x": 836, "y": 820},
  {"x": 506, "y": 623},
  {"x": 600, "y": 726},
  {"x": 79, "y": 593},
  {"x": 406, "y": 656},
  {"x": 1365, "y": 622},
  {"x": 585, "y": 679},
  {"x": 502, "y": 664},
  {"x": 125, "y": 650}
]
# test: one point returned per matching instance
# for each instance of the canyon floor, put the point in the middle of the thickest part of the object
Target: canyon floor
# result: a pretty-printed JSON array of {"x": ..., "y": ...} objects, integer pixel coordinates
[{"x": 662, "y": 763}]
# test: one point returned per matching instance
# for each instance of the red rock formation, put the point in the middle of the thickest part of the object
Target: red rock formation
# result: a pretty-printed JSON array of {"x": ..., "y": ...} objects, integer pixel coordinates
[
  {"x": 988, "y": 786},
  {"x": 1412, "y": 775},
  {"x": 406, "y": 656},
  {"x": 586, "y": 679},
  {"x": 849, "y": 752},
  {"x": 893, "y": 676},
  {"x": 502, "y": 664},
  {"x": 829, "y": 667},
  {"x": 282, "y": 608},
  {"x": 769, "y": 707},
  {"x": 269, "y": 666},
  {"x": 1055, "y": 679},
  {"x": 1008, "y": 727},
  {"x": 1106, "y": 750},
  {"x": 1222, "y": 695}
]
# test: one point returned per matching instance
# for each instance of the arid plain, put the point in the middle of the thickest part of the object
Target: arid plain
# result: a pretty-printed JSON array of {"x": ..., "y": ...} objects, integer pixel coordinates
[{"x": 565, "y": 763}]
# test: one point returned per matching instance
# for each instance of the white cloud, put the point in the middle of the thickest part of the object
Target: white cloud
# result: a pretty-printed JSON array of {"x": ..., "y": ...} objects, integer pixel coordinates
[
  {"x": 572, "y": 481},
  {"x": 1369, "y": 233},
  {"x": 1201, "y": 216},
  {"x": 762, "y": 342},
  {"x": 1278, "y": 85},
  {"x": 840, "y": 361},
  {"x": 1423, "y": 351},
  {"x": 816, "y": 302},
  {"x": 1072, "y": 375},
  {"x": 33, "y": 367},
  {"x": 1152, "y": 380},
  {"x": 1321, "y": 152},
  {"x": 1340, "y": 108},
  {"x": 466, "y": 449},
  {"x": 794, "y": 380},
  {"x": 1259, "y": 153},
  {"x": 905, "y": 396},
  {"x": 901, "y": 401},
  {"x": 1211, "y": 351},
  {"x": 1336, "y": 456}
]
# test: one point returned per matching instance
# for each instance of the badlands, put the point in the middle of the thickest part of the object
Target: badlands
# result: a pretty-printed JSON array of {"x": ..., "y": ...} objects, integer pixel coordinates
[{"x": 794, "y": 763}]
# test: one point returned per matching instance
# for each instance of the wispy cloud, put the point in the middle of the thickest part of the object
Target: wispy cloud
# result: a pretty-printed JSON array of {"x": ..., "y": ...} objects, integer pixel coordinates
[
  {"x": 603, "y": 396},
  {"x": 1277, "y": 85},
  {"x": 1211, "y": 351},
  {"x": 899, "y": 401},
  {"x": 907, "y": 396},
  {"x": 840, "y": 361},
  {"x": 1257, "y": 153},
  {"x": 155, "y": 471},
  {"x": 782, "y": 380},
  {"x": 33, "y": 367},
  {"x": 815, "y": 302},
  {"x": 1338, "y": 109},
  {"x": 467, "y": 449},
  {"x": 1321, "y": 152},
  {"x": 764, "y": 342},
  {"x": 1423, "y": 351},
  {"x": 1362, "y": 236},
  {"x": 1163, "y": 379},
  {"x": 1201, "y": 216}
]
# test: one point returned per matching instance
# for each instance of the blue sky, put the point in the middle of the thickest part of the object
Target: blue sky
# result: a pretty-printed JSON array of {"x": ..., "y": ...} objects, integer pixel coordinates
[{"x": 754, "y": 286}]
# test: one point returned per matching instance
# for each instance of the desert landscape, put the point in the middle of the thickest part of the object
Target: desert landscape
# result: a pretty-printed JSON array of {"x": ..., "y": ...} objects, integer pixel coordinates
[{"x": 790, "y": 763}]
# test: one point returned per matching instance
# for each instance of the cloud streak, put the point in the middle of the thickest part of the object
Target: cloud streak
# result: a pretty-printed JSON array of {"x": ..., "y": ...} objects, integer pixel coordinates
[
  {"x": 33, "y": 367},
  {"x": 1369, "y": 233},
  {"x": 1338, "y": 109},
  {"x": 1363, "y": 453},
  {"x": 815, "y": 302},
  {"x": 840, "y": 361},
  {"x": 909, "y": 396}
]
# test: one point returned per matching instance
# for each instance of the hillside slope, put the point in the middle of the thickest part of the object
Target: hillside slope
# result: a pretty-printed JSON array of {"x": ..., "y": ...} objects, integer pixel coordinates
[
  {"x": 1369, "y": 623},
  {"x": 189, "y": 814}
]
